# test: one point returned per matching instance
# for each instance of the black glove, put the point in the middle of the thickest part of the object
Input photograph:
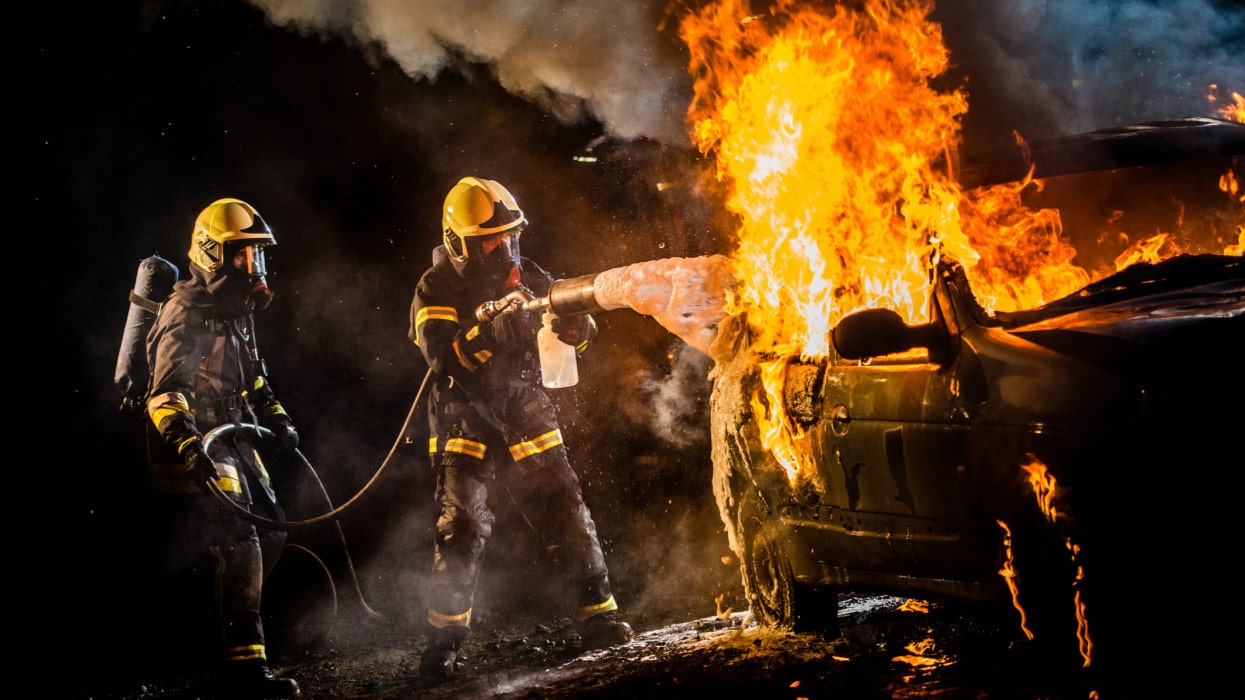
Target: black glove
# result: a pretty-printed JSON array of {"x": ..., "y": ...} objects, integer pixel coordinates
[
  {"x": 197, "y": 460},
  {"x": 284, "y": 438},
  {"x": 574, "y": 330},
  {"x": 512, "y": 328}
]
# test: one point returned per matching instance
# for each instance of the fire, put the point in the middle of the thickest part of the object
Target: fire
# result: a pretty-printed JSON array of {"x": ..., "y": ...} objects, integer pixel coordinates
[
  {"x": 1008, "y": 572},
  {"x": 777, "y": 432},
  {"x": 1046, "y": 491},
  {"x": 1235, "y": 110},
  {"x": 836, "y": 142}
]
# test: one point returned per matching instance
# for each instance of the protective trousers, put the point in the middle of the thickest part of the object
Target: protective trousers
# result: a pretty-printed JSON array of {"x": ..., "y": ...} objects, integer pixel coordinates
[
  {"x": 216, "y": 563},
  {"x": 547, "y": 490}
]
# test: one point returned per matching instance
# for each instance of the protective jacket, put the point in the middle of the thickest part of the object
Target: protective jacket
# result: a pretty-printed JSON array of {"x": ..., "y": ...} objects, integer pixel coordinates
[
  {"x": 490, "y": 419},
  {"x": 205, "y": 372}
]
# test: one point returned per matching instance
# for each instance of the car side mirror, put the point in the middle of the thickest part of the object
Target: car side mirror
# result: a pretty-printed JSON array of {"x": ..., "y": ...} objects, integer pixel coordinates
[{"x": 876, "y": 332}]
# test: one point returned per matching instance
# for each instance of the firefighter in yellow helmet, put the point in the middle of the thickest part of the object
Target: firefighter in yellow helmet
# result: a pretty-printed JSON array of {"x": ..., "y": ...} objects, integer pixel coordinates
[
  {"x": 206, "y": 372},
  {"x": 492, "y": 424}
]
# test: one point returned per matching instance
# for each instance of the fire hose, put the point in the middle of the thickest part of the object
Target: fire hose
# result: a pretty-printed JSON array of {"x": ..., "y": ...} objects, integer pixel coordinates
[{"x": 332, "y": 513}]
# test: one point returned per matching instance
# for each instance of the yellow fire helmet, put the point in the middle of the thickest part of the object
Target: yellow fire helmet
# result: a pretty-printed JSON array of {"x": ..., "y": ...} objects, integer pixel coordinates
[
  {"x": 477, "y": 208},
  {"x": 223, "y": 222}
]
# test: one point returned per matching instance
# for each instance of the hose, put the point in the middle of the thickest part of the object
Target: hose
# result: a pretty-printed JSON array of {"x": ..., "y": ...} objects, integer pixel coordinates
[
  {"x": 332, "y": 513},
  {"x": 286, "y": 525}
]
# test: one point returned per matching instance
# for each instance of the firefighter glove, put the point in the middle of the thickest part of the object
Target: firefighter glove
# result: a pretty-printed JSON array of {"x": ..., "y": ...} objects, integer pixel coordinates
[
  {"x": 202, "y": 469},
  {"x": 574, "y": 330},
  {"x": 512, "y": 328},
  {"x": 284, "y": 438}
]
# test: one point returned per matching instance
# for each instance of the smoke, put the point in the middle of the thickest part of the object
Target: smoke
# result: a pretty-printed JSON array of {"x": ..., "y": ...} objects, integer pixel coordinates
[
  {"x": 679, "y": 401},
  {"x": 1040, "y": 68},
  {"x": 1047, "y": 69},
  {"x": 578, "y": 60}
]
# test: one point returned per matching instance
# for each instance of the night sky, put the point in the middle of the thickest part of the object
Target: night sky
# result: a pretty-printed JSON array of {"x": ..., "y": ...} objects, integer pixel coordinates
[{"x": 345, "y": 129}]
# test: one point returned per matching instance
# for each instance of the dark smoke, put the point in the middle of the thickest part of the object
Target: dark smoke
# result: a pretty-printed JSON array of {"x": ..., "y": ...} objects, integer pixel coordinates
[{"x": 1048, "y": 69}]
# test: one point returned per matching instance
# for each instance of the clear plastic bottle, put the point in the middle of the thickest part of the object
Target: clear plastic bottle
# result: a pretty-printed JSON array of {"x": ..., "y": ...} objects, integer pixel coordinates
[{"x": 558, "y": 364}]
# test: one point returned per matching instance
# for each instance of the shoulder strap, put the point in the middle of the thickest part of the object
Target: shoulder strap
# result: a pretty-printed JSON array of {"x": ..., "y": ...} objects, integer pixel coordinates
[{"x": 145, "y": 303}]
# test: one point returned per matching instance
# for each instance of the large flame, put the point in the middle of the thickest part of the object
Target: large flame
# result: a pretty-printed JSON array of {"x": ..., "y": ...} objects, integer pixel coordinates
[{"x": 833, "y": 133}]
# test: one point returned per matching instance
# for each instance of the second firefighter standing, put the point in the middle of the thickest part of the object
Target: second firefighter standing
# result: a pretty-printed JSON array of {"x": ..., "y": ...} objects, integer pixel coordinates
[
  {"x": 206, "y": 373},
  {"x": 491, "y": 423}
]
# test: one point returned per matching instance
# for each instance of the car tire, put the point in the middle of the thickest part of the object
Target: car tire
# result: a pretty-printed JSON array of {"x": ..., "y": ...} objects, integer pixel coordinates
[{"x": 777, "y": 600}]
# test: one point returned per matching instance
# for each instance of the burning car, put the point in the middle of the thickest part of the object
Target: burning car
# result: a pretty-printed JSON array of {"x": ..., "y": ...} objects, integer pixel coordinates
[{"x": 1031, "y": 459}]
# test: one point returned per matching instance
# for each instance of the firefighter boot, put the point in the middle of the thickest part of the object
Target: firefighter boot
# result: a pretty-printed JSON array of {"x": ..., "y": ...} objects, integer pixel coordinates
[
  {"x": 440, "y": 658},
  {"x": 256, "y": 682},
  {"x": 604, "y": 630}
]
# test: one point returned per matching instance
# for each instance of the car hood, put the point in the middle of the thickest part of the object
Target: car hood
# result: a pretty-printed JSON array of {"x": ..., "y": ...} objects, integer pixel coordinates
[{"x": 1176, "y": 301}]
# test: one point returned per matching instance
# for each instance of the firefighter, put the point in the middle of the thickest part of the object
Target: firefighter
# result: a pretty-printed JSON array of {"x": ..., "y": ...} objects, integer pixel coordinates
[
  {"x": 206, "y": 372},
  {"x": 492, "y": 423}
]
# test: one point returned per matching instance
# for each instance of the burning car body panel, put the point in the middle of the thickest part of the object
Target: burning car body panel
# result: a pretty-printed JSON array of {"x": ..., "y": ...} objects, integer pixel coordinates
[{"x": 1005, "y": 458}]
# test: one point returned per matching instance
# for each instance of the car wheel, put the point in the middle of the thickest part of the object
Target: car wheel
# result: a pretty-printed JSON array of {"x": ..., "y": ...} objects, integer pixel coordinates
[{"x": 776, "y": 598}]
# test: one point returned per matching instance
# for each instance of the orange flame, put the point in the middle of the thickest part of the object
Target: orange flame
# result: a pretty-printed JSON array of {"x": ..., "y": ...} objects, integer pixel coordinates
[
  {"x": 834, "y": 139},
  {"x": 1008, "y": 572},
  {"x": 1046, "y": 490},
  {"x": 1235, "y": 110}
]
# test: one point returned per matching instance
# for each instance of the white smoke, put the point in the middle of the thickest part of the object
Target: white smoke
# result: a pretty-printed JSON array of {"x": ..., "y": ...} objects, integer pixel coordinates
[
  {"x": 679, "y": 401},
  {"x": 576, "y": 59},
  {"x": 1043, "y": 68}
]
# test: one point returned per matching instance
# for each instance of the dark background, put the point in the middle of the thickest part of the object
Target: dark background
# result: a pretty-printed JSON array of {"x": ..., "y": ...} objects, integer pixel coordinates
[
  {"x": 138, "y": 114},
  {"x": 145, "y": 114}
]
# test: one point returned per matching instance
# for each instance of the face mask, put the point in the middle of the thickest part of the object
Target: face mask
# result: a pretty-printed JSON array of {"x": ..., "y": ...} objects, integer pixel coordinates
[
  {"x": 251, "y": 262},
  {"x": 501, "y": 255}
]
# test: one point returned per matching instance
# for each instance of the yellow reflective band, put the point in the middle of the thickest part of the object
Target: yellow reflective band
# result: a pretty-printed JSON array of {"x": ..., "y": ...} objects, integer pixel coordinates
[
  {"x": 437, "y": 313},
  {"x": 473, "y": 332},
  {"x": 259, "y": 383},
  {"x": 589, "y": 610},
  {"x": 462, "y": 359},
  {"x": 263, "y": 471},
  {"x": 549, "y": 440},
  {"x": 276, "y": 409},
  {"x": 441, "y": 621},
  {"x": 229, "y": 485},
  {"x": 246, "y": 653},
  {"x": 432, "y": 445},
  {"x": 181, "y": 446},
  {"x": 175, "y": 478},
  {"x": 167, "y": 404},
  {"x": 482, "y": 356},
  {"x": 467, "y": 447}
]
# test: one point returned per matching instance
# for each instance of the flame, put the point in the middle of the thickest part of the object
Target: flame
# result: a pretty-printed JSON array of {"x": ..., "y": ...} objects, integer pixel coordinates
[
  {"x": 1008, "y": 572},
  {"x": 835, "y": 133},
  {"x": 834, "y": 142},
  {"x": 911, "y": 605},
  {"x": 777, "y": 432},
  {"x": 921, "y": 648},
  {"x": 1234, "y": 111},
  {"x": 1044, "y": 487},
  {"x": 1046, "y": 491}
]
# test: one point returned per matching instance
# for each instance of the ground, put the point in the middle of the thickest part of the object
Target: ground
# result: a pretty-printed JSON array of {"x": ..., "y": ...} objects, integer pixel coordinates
[{"x": 885, "y": 649}]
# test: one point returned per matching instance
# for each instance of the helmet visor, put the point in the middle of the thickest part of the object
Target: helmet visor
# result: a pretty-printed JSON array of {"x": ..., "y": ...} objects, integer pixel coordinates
[{"x": 251, "y": 260}]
